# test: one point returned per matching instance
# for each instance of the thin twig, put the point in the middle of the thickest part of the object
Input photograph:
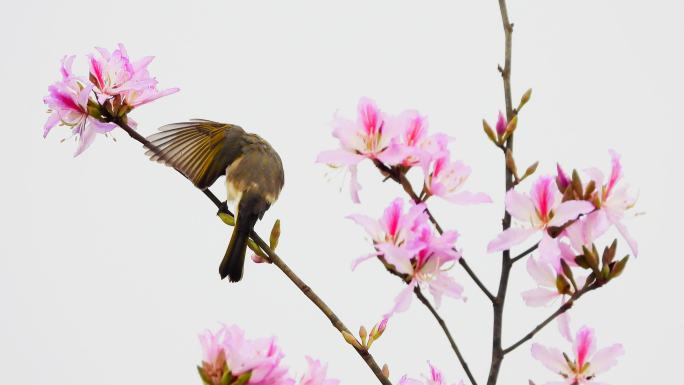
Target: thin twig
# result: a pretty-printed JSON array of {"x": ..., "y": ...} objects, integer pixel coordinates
[
  {"x": 562, "y": 309},
  {"x": 442, "y": 324},
  {"x": 308, "y": 292},
  {"x": 419, "y": 294},
  {"x": 525, "y": 253}
]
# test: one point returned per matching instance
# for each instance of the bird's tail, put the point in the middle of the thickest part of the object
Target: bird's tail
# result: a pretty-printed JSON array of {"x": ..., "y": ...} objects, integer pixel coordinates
[{"x": 234, "y": 259}]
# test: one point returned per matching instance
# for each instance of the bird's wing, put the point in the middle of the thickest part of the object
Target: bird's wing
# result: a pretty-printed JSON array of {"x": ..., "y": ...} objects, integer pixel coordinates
[{"x": 193, "y": 148}]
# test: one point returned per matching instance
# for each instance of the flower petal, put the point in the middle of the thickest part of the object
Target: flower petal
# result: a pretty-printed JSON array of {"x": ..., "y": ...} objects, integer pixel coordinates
[
  {"x": 508, "y": 238},
  {"x": 361, "y": 259},
  {"x": 467, "y": 197},
  {"x": 551, "y": 358},
  {"x": 539, "y": 296},
  {"x": 570, "y": 210},
  {"x": 520, "y": 206},
  {"x": 605, "y": 358},
  {"x": 339, "y": 157}
]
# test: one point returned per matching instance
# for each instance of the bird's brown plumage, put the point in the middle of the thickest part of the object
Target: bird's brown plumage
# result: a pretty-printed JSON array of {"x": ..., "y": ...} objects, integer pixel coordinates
[{"x": 203, "y": 150}]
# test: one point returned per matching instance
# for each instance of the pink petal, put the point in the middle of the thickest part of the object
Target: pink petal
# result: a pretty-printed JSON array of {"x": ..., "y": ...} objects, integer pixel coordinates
[
  {"x": 467, "y": 197},
  {"x": 539, "y": 296},
  {"x": 444, "y": 285},
  {"x": 549, "y": 250},
  {"x": 400, "y": 257},
  {"x": 584, "y": 345},
  {"x": 339, "y": 157},
  {"x": 596, "y": 175},
  {"x": 508, "y": 238},
  {"x": 403, "y": 300},
  {"x": 405, "y": 380},
  {"x": 520, "y": 206},
  {"x": 394, "y": 154},
  {"x": 570, "y": 210},
  {"x": 369, "y": 224},
  {"x": 628, "y": 237},
  {"x": 550, "y": 357},
  {"x": 361, "y": 259},
  {"x": 541, "y": 272},
  {"x": 86, "y": 138},
  {"x": 354, "y": 185},
  {"x": 544, "y": 195},
  {"x": 605, "y": 358},
  {"x": 563, "y": 321},
  {"x": 52, "y": 121}
]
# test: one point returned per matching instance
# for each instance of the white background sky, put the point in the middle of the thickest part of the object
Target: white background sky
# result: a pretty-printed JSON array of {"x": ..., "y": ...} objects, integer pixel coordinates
[{"x": 108, "y": 262}]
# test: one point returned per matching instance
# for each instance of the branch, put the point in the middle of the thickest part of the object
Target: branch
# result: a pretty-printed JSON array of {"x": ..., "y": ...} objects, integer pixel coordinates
[
  {"x": 433, "y": 311},
  {"x": 562, "y": 309},
  {"x": 308, "y": 292},
  {"x": 525, "y": 253},
  {"x": 506, "y": 263},
  {"x": 441, "y": 322}
]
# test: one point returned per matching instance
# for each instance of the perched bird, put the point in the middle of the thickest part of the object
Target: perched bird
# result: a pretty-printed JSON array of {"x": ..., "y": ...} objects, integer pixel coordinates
[{"x": 203, "y": 150}]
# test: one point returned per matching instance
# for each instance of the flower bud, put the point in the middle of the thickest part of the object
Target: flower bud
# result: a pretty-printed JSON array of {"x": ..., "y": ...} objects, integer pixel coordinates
[
  {"x": 227, "y": 219},
  {"x": 524, "y": 99},
  {"x": 501, "y": 124},
  {"x": 385, "y": 370},
  {"x": 275, "y": 235},
  {"x": 488, "y": 131},
  {"x": 351, "y": 340},
  {"x": 363, "y": 333},
  {"x": 562, "y": 180}
]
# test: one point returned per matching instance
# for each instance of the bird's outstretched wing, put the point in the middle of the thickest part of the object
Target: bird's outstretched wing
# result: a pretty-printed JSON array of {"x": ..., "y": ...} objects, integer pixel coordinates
[{"x": 196, "y": 148}]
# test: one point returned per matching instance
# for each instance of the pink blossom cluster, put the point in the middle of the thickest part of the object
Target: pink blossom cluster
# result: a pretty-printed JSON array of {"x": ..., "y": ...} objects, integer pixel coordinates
[
  {"x": 567, "y": 216},
  {"x": 406, "y": 242},
  {"x": 117, "y": 85},
  {"x": 435, "y": 378},
  {"x": 399, "y": 141},
  {"x": 230, "y": 358}
]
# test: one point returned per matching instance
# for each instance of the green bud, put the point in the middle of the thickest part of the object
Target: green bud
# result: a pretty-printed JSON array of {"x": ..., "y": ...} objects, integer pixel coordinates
[
  {"x": 351, "y": 340},
  {"x": 488, "y": 130},
  {"x": 619, "y": 267},
  {"x": 243, "y": 378},
  {"x": 275, "y": 235},
  {"x": 363, "y": 333},
  {"x": 227, "y": 219},
  {"x": 568, "y": 273},
  {"x": 530, "y": 170},
  {"x": 576, "y": 184},
  {"x": 525, "y": 98},
  {"x": 256, "y": 249},
  {"x": 609, "y": 253}
]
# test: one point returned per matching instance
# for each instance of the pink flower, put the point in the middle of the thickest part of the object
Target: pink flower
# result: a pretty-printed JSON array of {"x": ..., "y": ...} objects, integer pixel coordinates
[
  {"x": 445, "y": 179},
  {"x": 407, "y": 242},
  {"x": 419, "y": 148},
  {"x": 426, "y": 261},
  {"x": 614, "y": 199},
  {"x": 394, "y": 227},
  {"x": 501, "y": 124},
  {"x": 114, "y": 74},
  {"x": 67, "y": 101},
  {"x": 435, "y": 378},
  {"x": 316, "y": 374},
  {"x": 372, "y": 136},
  {"x": 586, "y": 363},
  {"x": 260, "y": 358},
  {"x": 538, "y": 211}
]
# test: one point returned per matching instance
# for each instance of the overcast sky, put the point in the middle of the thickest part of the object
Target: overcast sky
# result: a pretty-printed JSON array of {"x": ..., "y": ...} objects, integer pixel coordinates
[{"x": 108, "y": 262}]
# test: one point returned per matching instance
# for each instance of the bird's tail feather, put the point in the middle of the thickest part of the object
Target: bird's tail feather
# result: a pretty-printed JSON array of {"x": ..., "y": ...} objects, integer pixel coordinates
[{"x": 234, "y": 259}]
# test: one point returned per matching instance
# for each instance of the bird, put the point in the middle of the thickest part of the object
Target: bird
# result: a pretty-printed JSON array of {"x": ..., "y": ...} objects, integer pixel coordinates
[{"x": 204, "y": 150}]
